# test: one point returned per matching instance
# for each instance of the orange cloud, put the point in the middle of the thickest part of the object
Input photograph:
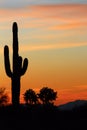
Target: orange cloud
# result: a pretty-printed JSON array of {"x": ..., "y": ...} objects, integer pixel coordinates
[
  {"x": 50, "y": 19},
  {"x": 68, "y": 26},
  {"x": 44, "y": 14},
  {"x": 45, "y": 46}
]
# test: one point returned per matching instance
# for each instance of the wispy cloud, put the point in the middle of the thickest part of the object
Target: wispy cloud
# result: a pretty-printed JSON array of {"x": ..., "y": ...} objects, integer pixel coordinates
[
  {"x": 55, "y": 25},
  {"x": 26, "y": 48},
  {"x": 69, "y": 26}
]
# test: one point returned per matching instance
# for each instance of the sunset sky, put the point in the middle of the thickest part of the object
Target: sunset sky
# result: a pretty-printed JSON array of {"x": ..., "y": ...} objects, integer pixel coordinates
[{"x": 53, "y": 36}]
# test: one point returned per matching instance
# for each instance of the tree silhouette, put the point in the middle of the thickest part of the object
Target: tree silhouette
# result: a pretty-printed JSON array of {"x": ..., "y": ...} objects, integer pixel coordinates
[
  {"x": 19, "y": 68},
  {"x": 3, "y": 97},
  {"x": 30, "y": 97},
  {"x": 47, "y": 95}
]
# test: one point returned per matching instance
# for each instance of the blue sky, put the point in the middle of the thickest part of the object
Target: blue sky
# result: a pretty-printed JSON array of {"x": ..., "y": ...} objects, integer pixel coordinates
[{"x": 21, "y": 3}]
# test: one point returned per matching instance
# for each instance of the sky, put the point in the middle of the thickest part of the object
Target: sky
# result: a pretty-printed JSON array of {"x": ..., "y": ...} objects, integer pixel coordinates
[
  {"x": 53, "y": 36},
  {"x": 22, "y": 3}
]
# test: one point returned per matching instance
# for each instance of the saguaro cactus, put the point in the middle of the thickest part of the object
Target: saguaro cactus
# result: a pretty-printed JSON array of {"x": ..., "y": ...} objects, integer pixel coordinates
[{"x": 19, "y": 69}]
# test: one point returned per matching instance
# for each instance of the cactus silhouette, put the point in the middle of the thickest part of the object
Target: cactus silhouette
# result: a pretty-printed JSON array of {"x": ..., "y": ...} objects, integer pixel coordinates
[{"x": 19, "y": 68}]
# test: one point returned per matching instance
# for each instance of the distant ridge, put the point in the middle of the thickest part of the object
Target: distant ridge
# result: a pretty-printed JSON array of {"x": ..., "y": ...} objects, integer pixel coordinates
[{"x": 73, "y": 105}]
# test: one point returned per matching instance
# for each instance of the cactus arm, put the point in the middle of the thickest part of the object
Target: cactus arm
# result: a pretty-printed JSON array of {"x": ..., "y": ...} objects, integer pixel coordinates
[
  {"x": 20, "y": 61},
  {"x": 7, "y": 62},
  {"x": 24, "y": 68}
]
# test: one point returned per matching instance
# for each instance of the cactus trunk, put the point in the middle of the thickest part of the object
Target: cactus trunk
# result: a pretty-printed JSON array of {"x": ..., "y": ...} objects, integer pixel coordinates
[
  {"x": 18, "y": 68},
  {"x": 15, "y": 91}
]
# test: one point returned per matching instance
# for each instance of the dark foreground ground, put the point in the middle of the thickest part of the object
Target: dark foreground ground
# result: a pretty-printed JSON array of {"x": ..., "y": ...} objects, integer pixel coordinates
[{"x": 42, "y": 118}]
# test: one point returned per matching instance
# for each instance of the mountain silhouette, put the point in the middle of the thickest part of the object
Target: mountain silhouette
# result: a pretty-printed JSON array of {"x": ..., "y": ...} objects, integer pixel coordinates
[{"x": 73, "y": 105}]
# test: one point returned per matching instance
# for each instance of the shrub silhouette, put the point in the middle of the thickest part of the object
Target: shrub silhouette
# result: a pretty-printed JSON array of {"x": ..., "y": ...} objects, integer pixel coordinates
[
  {"x": 47, "y": 95},
  {"x": 3, "y": 97},
  {"x": 30, "y": 97},
  {"x": 18, "y": 68}
]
